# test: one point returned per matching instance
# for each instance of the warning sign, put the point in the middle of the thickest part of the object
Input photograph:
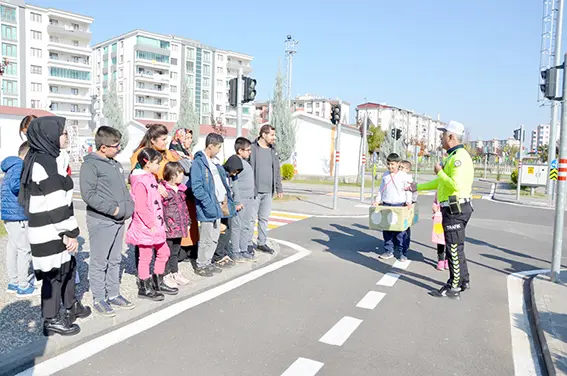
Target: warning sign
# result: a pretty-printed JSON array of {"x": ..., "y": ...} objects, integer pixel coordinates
[
  {"x": 531, "y": 170},
  {"x": 553, "y": 174}
]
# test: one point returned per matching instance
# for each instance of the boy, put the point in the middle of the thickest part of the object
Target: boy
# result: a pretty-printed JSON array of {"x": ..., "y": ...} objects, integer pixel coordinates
[
  {"x": 405, "y": 166},
  {"x": 18, "y": 253},
  {"x": 392, "y": 193},
  {"x": 109, "y": 205},
  {"x": 243, "y": 223}
]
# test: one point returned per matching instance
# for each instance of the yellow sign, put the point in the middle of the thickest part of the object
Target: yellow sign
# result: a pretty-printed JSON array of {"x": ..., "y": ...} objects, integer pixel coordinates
[
  {"x": 553, "y": 174},
  {"x": 531, "y": 170}
]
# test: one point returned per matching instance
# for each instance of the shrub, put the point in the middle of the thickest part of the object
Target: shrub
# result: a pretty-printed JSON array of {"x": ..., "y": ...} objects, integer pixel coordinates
[
  {"x": 514, "y": 177},
  {"x": 287, "y": 171}
]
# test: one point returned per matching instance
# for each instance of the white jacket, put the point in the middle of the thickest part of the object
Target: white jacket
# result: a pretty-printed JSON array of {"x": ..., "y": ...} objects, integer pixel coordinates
[{"x": 392, "y": 188}]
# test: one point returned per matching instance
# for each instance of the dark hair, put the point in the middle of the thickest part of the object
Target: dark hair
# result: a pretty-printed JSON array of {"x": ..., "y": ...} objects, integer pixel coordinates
[
  {"x": 213, "y": 139},
  {"x": 154, "y": 132},
  {"x": 171, "y": 170},
  {"x": 25, "y": 123},
  {"x": 24, "y": 148},
  {"x": 393, "y": 157},
  {"x": 406, "y": 162},
  {"x": 266, "y": 128},
  {"x": 148, "y": 155},
  {"x": 241, "y": 143},
  {"x": 106, "y": 136},
  {"x": 187, "y": 130}
]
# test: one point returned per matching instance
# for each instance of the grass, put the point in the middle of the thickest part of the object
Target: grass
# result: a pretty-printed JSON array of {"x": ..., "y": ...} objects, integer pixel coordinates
[
  {"x": 368, "y": 182},
  {"x": 288, "y": 198},
  {"x": 2, "y": 230}
]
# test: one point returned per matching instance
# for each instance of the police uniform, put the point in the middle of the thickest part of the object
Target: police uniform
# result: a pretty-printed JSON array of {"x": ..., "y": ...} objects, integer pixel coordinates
[{"x": 454, "y": 184}]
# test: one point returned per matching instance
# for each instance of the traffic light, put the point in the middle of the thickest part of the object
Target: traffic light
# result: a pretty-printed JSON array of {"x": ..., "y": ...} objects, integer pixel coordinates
[
  {"x": 233, "y": 92},
  {"x": 549, "y": 86},
  {"x": 249, "y": 89},
  {"x": 396, "y": 133},
  {"x": 335, "y": 114}
]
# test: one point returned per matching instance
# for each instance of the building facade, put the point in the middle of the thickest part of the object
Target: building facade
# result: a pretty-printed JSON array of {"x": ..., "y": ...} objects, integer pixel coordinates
[
  {"x": 150, "y": 70},
  {"x": 540, "y": 137},
  {"x": 320, "y": 106}
]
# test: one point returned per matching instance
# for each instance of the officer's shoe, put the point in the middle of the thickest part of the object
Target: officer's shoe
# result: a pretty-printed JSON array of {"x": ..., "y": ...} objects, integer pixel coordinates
[
  {"x": 446, "y": 292},
  {"x": 465, "y": 286}
]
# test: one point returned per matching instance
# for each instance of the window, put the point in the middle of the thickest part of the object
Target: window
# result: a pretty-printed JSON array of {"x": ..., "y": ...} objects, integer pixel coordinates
[
  {"x": 75, "y": 26},
  {"x": 173, "y": 103},
  {"x": 35, "y": 103},
  {"x": 36, "y": 35},
  {"x": 11, "y": 69},
  {"x": 69, "y": 73},
  {"x": 35, "y": 17},
  {"x": 173, "y": 61},
  {"x": 9, "y": 50},
  {"x": 219, "y": 96},
  {"x": 141, "y": 85},
  {"x": 122, "y": 43},
  {"x": 206, "y": 95},
  {"x": 173, "y": 117},
  {"x": 74, "y": 108},
  {"x": 74, "y": 91},
  {"x": 174, "y": 89},
  {"x": 54, "y": 89},
  {"x": 53, "y": 22},
  {"x": 76, "y": 43},
  {"x": 190, "y": 80},
  {"x": 121, "y": 87},
  {"x": 10, "y": 87},
  {"x": 219, "y": 83},
  {"x": 76, "y": 59},
  {"x": 11, "y": 102},
  {"x": 52, "y": 55},
  {"x": 35, "y": 69},
  {"x": 139, "y": 114},
  {"x": 113, "y": 61},
  {"x": 220, "y": 58},
  {"x": 190, "y": 66},
  {"x": 105, "y": 50},
  {"x": 37, "y": 52},
  {"x": 121, "y": 61},
  {"x": 220, "y": 70},
  {"x": 206, "y": 57},
  {"x": 140, "y": 99},
  {"x": 36, "y": 86},
  {"x": 114, "y": 47},
  {"x": 121, "y": 73},
  {"x": 152, "y": 56},
  {"x": 206, "y": 70},
  {"x": 8, "y": 14},
  {"x": 190, "y": 53},
  {"x": 174, "y": 75},
  {"x": 9, "y": 33},
  {"x": 174, "y": 47},
  {"x": 218, "y": 107},
  {"x": 105, "y": 77},
  {"x": 206, "y": 82},
  {"x": 206, "y": 108}
]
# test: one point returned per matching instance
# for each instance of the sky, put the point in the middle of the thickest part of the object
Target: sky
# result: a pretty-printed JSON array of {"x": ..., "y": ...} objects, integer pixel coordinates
[{"x": 472, "y": 61}]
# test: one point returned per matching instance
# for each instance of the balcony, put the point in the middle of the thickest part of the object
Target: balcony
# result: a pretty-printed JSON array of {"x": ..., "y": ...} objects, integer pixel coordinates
[
  {"x": 152, "y": 106},
  {"x": 151, "y": 77},
  {"x": 69, "y": 32},
  {"x": 163, "y": 93},
  {"x": 81, "y": 64},
  {"x": 78, "y": 114},
  {"x": 152, "y": 64},
  {"x": 64, "y": 81},
  {"x": 70, "y": 98},
  {"x": 59, "y": 44},
  {"x": 156, "y": 50}
]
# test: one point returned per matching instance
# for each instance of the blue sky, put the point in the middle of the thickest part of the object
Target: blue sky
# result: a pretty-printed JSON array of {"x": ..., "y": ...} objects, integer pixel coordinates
[{"x": 472, "y": 61}]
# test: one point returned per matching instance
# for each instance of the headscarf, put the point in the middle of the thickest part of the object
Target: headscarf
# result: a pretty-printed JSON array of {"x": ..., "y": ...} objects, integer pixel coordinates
[
  {"x": 43, "y": 136},
  {"x": 177, "y": 142}
]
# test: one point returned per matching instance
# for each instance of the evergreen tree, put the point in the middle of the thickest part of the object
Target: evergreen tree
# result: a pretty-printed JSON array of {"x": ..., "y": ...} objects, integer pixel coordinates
[
  {"x": 254, "y": 131},
  {"x": 187, "y": 116},
  {"x": 112, "y": 111},
  {"x": 281, "y": 121}
]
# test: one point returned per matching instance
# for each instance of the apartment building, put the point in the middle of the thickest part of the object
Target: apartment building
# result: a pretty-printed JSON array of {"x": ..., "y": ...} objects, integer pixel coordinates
[
  {"x": 539, "y": 137},
  {"x": 320, "y": 106},
  {"x": 495, "y": 145},
  {"x": 150, "y": 70}
]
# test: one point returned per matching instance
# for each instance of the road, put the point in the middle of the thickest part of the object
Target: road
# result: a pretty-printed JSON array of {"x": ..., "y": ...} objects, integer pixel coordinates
[{"x": 284, "y": 319}]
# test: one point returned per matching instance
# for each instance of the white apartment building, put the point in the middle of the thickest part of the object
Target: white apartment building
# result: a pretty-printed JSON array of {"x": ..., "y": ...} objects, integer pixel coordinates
[
  {"x": 496, "y": 145},
  {"x": 540, "y": 137},
  {"x": 150, "y": 70},
  {"x": 320, "y": 106}
]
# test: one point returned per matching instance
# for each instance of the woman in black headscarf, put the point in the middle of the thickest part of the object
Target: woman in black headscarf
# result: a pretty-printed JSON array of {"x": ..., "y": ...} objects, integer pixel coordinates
[{"x": 46, "y": 193}]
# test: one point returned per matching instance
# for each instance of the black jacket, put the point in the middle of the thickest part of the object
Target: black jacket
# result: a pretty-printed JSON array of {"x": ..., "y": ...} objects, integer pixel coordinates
[{"x": 277, "y": 180}]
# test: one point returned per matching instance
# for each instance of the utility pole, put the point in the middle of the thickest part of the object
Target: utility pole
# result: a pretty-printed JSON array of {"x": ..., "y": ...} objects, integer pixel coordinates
[
  {"x": 521, "y": 155},
  {"x": 561, "y": 185},
  {"x": 239, "y": 97},
  {"x": 290, "y": 50},
  {"x": 363, "y": 157}
]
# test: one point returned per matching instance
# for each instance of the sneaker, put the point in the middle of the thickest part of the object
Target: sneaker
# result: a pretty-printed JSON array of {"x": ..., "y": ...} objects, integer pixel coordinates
[
  {"x": 446, "y": 264},
  {"x": 465, "y": 286},
  {"x": 445, "y": 292},
  {"x": 440, "y": 265},
  {"x": 249, "y": 256},
  {"x": 12, "y": 288},
  {"x": 214, "y": 268},
  {"x": 27, "y": 292},
  {"x": 121, "y": 302},
  {"x": 180, "y": 279},
  {"x": 169, "y": 280},
  {"x": 103, "y": 308},
  {"x": 204, "y": 271},
  {"x": 264, "y": 248},
  {"x": 403, "y": 258},
  {"x": 386, "y": 255},
  {"x": 238, "y": 258}
]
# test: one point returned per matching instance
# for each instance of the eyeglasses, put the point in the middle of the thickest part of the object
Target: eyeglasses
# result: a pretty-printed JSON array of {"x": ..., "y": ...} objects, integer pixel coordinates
[
  {"x": 65, "y": 134},
  {"x": 249, "y": 149},
  {"x": 113, "y": 146}
]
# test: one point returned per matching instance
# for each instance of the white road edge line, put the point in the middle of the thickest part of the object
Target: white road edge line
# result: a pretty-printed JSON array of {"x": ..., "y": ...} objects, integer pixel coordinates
[
  {"x": 340, "y": 332},
  {"x": 401, "y": 264},
  {"x": 523, "y": 350},
  {"x": 389, "y": 279},
  {"x": 303, "y": 367},
  {"x": 96, "y": 345},
  {"x": 371, "y": 300}
]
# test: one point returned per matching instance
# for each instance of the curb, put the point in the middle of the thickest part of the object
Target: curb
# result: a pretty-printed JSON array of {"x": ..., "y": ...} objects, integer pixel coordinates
[
  {"x": 547, "y": 357},
  {"x": 520, "y": 202}
]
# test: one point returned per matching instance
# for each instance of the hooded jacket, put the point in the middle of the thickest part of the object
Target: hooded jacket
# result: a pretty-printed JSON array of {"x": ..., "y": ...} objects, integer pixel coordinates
[
  {"x": 11, "y": 208},
  {"x": 233, "y": 165},
  {"x": 103, "y": 189}
]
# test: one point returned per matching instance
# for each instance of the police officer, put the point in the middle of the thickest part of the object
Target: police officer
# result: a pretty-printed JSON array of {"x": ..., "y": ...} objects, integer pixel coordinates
[{"x": 454, "y": 188}]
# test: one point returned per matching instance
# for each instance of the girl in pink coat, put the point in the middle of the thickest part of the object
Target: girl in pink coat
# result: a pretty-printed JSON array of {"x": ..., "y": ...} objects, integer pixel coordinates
[
  {"x": 438, "y": 236},
  {"x": 147, "y": 229}
]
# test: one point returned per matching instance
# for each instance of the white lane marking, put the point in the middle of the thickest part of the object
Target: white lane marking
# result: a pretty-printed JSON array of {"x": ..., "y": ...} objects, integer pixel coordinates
[
  {"x": 389, "y": 279},
  {"x": 342, "y": 216},
  {"x": 523, "y": 350},
  {"x": 340, "y": 332},
  {"x": 94, "y": 346},
  {"x": 371, "y": 300},
  {"x": 401, "y": 264},
  {"x": 303, "y": 367}
]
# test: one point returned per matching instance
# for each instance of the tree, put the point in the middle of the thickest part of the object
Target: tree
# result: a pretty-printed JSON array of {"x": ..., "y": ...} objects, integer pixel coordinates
[
  {"x": 281, "y": 121},
  {"x": 254, "y": 131},
  {"x": 375, "y": 138},
  {"x": 187, "y": 116},
  {"x": 112, "y": 111}
]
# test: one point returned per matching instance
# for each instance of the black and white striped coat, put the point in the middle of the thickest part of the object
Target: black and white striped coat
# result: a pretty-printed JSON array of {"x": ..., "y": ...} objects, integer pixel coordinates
[{"x": 51, "y": 215}]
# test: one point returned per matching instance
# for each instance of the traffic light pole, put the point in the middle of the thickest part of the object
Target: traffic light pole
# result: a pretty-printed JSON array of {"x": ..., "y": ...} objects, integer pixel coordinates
[
  {"x": 337, "y": 159},
  {"x": 363, "y": 157},
  {"x": 521, "y": 154},
  {"x": 239, "y": 98},
  {"x": 561, "y": 185}
]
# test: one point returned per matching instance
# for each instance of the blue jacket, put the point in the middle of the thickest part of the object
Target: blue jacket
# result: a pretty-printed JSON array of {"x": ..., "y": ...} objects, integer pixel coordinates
[
  {"x": 203, "y": 187},
  {"x": 11, "y": 208}
]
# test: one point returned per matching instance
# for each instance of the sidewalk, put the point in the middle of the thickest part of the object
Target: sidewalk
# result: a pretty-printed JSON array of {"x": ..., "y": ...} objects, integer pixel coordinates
[
  {"x": 505, "y": 192},
  {"x": 549, "y": 302}
]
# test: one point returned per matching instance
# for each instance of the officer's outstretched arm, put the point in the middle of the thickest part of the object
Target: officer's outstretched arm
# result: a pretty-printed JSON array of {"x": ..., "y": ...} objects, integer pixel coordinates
[{"x": 429, "y": 186}]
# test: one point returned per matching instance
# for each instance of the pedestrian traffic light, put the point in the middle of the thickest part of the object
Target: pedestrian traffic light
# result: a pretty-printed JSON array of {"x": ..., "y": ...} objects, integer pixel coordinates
[
  {"x": 518, "y": 135},
  {"x": 549, "y": 86},
  {"x": 233, "y": 92},
  {"x": 396, "y": 133},
  {"x": 249, "y": 89},
  {"x": 335, "y": 114}
]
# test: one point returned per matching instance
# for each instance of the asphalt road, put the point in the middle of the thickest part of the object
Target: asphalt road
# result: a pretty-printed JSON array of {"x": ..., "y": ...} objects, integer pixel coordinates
[{"x": 264, "y": 326}]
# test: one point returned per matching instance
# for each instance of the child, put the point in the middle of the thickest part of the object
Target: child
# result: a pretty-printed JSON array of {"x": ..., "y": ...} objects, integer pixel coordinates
[
  {"x": 177, "y": 220},
  {"x": 18, "y": 252},
  {"x": 109, "y": 205},
  {"x": 392, "y": 193},
  {"x": 405, "y": 166},
  {"x": 147, "y": 229},
  {"x": 438, "y": 237}
]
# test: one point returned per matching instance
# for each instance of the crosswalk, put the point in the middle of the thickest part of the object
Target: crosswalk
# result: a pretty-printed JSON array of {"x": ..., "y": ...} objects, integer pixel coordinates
[{"x": 281, "y": 218}]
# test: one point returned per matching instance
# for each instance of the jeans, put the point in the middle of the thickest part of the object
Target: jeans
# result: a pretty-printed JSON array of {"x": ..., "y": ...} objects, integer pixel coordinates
[
  {"x": 264, "y": 205},
  {"x": 209, "y": 233},
  {"x": 395, "y": 239},
  {"x": 18, "y": 253},
  {"x": 146, "y": 253},
  {"x": 172, "y": 265},
  {"x": 242, "y": 226},
  {"x": 407, "y": 241}
]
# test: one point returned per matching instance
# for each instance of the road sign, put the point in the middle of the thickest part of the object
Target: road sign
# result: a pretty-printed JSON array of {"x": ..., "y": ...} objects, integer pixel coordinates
[
  {"x": 554, "y": 164},
  {"x": 553, "y": 174},
  {"x": 531, "y": 170}
]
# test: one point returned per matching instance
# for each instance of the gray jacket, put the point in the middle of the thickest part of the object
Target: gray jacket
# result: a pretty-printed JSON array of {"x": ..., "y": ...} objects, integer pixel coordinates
[
  {"x": 277, "y": 180},
  {"x": 103, "y": 188}
]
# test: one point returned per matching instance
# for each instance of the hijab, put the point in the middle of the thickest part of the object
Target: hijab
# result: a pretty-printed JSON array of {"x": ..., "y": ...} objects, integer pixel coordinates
[
  {"x": 43, "y": 136},
  {"x": 177, "y": 142}
]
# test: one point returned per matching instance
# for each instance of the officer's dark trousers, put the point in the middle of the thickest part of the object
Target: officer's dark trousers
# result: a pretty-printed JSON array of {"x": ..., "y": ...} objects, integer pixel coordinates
[{"x": 454, "y": 226}]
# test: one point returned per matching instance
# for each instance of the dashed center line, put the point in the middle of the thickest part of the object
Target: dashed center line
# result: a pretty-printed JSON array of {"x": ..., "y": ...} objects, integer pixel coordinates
[
  {"x": 303, "y": 367},
  {"x": 371, "y": 300},
  {"x": 389, "y": 279},
  {"x": 339, "y": 333}
]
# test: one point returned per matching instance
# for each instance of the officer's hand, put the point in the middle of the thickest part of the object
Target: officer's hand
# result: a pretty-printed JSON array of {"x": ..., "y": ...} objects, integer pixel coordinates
[{"x": 437, "y": 168}]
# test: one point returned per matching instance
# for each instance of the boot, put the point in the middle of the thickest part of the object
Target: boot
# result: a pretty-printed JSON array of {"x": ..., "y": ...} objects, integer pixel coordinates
[
  {"x": 146, "y": 290},
  {"x": 77, "y": 311},
  {"x": 160, "y": 286},
  {"x": 59, "y": 325}
]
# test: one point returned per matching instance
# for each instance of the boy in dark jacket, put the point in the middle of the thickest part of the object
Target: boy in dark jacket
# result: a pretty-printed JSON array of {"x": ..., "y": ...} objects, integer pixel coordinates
[
  {"x": 18, "y": 257},
  {"x": 109, "y": 205}
]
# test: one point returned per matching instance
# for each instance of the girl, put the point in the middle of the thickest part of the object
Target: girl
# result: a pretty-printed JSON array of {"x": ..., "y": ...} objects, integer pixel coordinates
[
  {"x": 438, "y": 237},
  {"x": 147, "y": 229},
  {"x": 177, "y": 220}
]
